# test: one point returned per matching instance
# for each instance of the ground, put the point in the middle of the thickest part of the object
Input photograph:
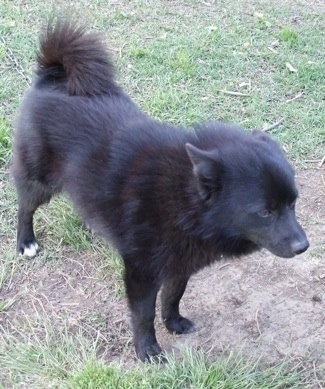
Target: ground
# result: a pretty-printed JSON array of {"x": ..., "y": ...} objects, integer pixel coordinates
[
  {"x": 176, "y": 59},
  {"x": 260, "y": 305}
]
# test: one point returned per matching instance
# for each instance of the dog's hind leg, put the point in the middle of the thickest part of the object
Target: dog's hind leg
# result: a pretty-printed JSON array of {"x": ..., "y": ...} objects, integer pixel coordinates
[
  {"x": 31, "y": 194},
  {"x": 172, "y": 292}
]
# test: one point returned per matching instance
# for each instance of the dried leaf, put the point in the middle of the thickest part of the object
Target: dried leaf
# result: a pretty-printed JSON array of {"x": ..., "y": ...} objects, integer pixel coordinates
[
  {"x": 259, "y": 15},
  {"x": 290, "y": 67}
]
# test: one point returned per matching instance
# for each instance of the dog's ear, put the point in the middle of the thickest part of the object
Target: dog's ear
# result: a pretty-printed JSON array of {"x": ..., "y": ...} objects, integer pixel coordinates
[
  {"x": 207, "y": 169},
  {"x": 262, "y": 135}
]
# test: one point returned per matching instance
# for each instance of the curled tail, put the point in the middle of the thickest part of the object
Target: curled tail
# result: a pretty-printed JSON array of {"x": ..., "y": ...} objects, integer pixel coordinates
[{"x": 74, "y": 61}]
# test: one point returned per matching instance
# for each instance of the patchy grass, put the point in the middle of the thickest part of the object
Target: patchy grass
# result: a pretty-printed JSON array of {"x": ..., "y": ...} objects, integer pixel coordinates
[
  {"x": 62, "y": 359},
  {"x": 179, "y": 61},
  {"x": 288, "y": 35},
  {"x": 175, "y": 58},
  {"x": 194, "y": 370},
  {"x": 45, "y": 361}
]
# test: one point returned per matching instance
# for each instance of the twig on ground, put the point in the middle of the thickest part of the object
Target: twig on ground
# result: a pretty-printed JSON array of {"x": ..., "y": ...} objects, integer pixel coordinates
[
  {"x": 121, "y": 49},
  {"x": 269, "y": 128},
  {"x": 298, "y": 96},
  {"x": 223, "y": 266},
  {"x": 114, "y": 49},
  {"x": 322, "y": 161},
  {"x": 257, "y": 323},
  {"x": 315, "y": 375},
  {"x": 258, "y": 267},
  {"x": 271, "y": 49},
  {"x": 233, "y": 93},
  {"x": 117, "y": 50},
  {"x": 207, "y": 341},
  {"x": 18, "y": 66}
]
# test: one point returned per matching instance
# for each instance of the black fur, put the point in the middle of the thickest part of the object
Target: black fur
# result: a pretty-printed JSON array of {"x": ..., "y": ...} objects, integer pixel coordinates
[{"x": 171, "y": 200}]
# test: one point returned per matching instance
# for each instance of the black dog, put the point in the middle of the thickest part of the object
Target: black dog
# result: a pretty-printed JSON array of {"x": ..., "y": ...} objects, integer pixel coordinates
[{"x": 171, "y": 200}]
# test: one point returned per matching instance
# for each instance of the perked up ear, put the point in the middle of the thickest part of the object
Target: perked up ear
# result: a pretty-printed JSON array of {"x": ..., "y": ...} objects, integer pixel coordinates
[
  {"x": 262, "y": 135},
  {"x": 207, "y": 169}
]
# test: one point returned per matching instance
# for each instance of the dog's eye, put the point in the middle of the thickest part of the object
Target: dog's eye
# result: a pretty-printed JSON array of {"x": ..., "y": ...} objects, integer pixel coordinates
[{"x": 265, "y": 213}]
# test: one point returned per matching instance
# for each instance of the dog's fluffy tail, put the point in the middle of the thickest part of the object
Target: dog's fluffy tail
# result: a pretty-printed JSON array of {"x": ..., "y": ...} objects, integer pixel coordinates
[{"x": 74, "y": 61}]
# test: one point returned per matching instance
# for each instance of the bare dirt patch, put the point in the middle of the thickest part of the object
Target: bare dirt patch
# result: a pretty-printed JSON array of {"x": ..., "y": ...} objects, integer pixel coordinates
[{"x": 261, "y": 304}]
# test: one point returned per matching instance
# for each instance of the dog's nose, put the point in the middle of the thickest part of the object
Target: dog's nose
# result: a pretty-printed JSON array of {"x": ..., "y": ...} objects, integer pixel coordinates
[{"x": 299, "y": 247}]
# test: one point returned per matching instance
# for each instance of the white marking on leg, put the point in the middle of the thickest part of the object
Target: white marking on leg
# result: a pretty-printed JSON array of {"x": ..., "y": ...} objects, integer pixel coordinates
[{"x": 31, "y": 250}]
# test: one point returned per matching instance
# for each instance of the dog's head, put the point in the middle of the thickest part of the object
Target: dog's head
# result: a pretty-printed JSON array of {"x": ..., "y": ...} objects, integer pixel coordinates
[{"x": 248, "y": 188}]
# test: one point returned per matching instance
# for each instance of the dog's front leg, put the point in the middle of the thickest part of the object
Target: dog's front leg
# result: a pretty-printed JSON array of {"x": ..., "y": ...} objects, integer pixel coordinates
[
  {"x": 142, "y": 291},
  {"x": 172, "y": 292}
]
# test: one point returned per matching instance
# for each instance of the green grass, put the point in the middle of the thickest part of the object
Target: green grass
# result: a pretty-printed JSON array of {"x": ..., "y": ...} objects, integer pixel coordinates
[
  {"x": 288, "y": 35},
  {"x": 46, "y": 361},
  {"x": 193, "y": 371},
  {"x": 62, "y": 359},
  {"x": 175, "y": 59},
  {"x": 5, "y": 142}
]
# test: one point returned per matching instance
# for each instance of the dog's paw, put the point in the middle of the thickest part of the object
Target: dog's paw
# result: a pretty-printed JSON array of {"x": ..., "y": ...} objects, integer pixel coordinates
[
  {"x": 151, "y": 353},
  {"x": 180, "y": 325},
  {"x": 29, "y": 249}
]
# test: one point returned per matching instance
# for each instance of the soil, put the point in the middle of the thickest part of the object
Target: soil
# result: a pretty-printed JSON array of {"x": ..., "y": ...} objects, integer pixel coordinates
[{"x": 259, "y": 305}]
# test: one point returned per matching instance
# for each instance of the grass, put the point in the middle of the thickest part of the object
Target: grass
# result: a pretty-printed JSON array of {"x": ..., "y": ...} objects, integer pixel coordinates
[
  {"x": 168, "y": 54},
  {"x": 43, "y": 361},
  {"x": 192, "y": 371},
  {"x": 178, "y": 60},
  {"x": 5, "y": 141},
  {"x": 61, "y": 359}
]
